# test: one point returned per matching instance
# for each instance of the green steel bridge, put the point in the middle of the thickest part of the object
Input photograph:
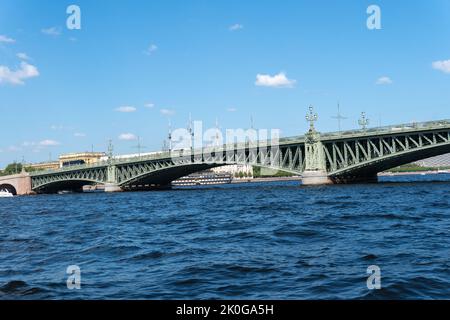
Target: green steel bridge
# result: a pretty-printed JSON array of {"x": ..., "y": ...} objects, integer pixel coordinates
[{"x": 337, "y": 157}]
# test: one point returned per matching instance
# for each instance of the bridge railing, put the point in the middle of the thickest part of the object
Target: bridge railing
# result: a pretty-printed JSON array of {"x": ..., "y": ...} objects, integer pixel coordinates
[{"x": 411, "y": 126}]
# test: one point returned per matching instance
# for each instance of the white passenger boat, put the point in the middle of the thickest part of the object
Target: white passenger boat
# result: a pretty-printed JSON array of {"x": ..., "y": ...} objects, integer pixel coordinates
[{"x": 5, "y": 194}]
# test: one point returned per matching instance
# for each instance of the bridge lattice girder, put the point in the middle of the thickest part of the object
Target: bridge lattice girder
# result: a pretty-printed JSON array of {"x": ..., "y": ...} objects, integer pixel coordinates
[
  {"x": 95, "y": 175},
  {"x": 288, "y": 158},
  {"x": 373, "y": 154},
  {"x": 152, "y": 171},
  {"x": 356, "y": 154}
]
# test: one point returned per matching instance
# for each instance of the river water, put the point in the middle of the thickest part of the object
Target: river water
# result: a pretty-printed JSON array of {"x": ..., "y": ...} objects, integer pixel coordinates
[{"x": 247, "y": 241}]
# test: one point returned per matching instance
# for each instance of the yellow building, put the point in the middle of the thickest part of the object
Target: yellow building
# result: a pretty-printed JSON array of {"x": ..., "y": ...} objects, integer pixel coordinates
[
  {"x": 44, "y": 166},
  {"x": 73, "y": 159}
]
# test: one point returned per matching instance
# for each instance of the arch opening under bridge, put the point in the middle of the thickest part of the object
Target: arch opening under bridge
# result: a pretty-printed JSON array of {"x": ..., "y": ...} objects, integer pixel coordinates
[
  {"x": 8, "y": 187},
  {"x": 75, "y": 185}
]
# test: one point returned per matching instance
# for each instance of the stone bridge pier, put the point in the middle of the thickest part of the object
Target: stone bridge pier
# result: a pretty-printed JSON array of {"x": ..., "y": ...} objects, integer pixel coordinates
[{"x": 18, "y": 184}]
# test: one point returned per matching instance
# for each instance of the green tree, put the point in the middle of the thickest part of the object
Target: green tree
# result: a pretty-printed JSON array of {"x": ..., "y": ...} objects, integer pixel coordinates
[{"x": 12, "y": 168}]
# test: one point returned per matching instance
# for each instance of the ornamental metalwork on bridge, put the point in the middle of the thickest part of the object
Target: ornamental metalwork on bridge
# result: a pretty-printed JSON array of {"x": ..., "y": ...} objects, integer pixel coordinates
[{"x": 320, "y": 158}]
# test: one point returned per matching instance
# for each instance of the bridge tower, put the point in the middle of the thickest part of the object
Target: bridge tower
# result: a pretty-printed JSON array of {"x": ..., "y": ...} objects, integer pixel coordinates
[
  {"x": 111, "y": 171},
  {"x": 315, "y": 164}
]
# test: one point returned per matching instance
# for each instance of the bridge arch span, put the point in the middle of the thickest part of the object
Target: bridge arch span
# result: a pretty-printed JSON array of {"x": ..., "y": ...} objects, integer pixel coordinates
[
  {"x": 164, "y": 176},
  {"x": 75, "y": 185},
  {"x": 372, "y": 167}
]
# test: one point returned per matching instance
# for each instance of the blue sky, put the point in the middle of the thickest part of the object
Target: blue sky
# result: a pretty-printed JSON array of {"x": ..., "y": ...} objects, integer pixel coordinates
[{"x": 61, "y": 89}]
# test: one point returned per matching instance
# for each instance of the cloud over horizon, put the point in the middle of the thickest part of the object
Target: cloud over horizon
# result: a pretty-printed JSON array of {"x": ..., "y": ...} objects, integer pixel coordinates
[
  {"x": 18, "y": 77},
  {"x": 236, "y": 27},
  {"x": 151, "y": 49},
  {"x": 23, "y": 56},
  {"x": 167, "y": 112},
  {"x": 126, "y": 109},
  {"x": 52, "y": 31},
  {"x": 5, "y": 39},
  {"x": 279, "y": 80},
  {"x": 384, "y": 81},
  {"x": 442, "y": 65},
  {"x": 127, "y": 137}
]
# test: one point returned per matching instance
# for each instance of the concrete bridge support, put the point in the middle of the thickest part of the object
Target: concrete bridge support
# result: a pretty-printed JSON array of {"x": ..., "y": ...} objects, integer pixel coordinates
[
  {"x": 111, "y": 184},
  {"x": 314, "y": 178},
  {"x": 18, "y": 184},
  {"x": 112, "y": 187},
  {"x": 315, "y": 164}
]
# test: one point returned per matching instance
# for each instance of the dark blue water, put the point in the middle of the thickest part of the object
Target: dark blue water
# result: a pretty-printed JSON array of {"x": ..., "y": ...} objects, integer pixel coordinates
[{"x": 247, "y": 241}]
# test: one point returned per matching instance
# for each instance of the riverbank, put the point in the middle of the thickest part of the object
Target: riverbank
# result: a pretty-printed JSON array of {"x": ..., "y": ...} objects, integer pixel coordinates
[
  {"x": 381, "y": 174},
  {"x": 413, "y": 173}
]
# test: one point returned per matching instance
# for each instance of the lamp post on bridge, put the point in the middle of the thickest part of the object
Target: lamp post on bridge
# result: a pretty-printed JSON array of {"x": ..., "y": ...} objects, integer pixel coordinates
[
  {"x": 311, "y": 118},
  {"x": 110, "y": 152},
  {"x": 170, "y": 137},
  {"x": 191, "y": 134}
]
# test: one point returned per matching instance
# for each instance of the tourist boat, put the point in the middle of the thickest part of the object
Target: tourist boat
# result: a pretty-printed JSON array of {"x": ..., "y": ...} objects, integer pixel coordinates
[
  {"x": 5, "y": 194},
  {"x": 203, "y": 178}
]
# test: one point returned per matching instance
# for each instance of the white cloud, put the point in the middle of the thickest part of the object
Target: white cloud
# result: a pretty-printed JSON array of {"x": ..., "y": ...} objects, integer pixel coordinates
[
  {"x": 126, "y": 109},
  {"x": 17, "y": 77},
  {"x": 28, "y": 144},
  {"x": 231, "y": 109},
  {"x": 36, "y": 146},
  {"x": 127, "y": 137},
  {"x": 443, "y": 65},
  {"x": 149, "y": 105},
  {"x": 384, "y": 81},
  {"x": 167, "y": 112},
  {"x": 53, "y": 31},
  {"x": 23, "y": 56},
  {"x": 57, "y": 127},
  {"x": 6, "y": 39},
  {"x": 151, "y": 49},
  {"x": 49, "y": 143},
  {"x": 79, "y": 134},
  {"x": 236, "y": 27},
  {"x": 277, "y": 81}
]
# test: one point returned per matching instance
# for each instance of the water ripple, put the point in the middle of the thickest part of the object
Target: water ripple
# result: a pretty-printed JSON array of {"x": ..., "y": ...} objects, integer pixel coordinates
[{"x": 254, "y": 241}]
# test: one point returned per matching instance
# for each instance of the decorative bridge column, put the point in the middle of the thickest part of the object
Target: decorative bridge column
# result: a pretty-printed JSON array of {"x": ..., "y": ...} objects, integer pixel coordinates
[
  {"x": 111, "y": 173},
  {"x": 315, "y": 164}
]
